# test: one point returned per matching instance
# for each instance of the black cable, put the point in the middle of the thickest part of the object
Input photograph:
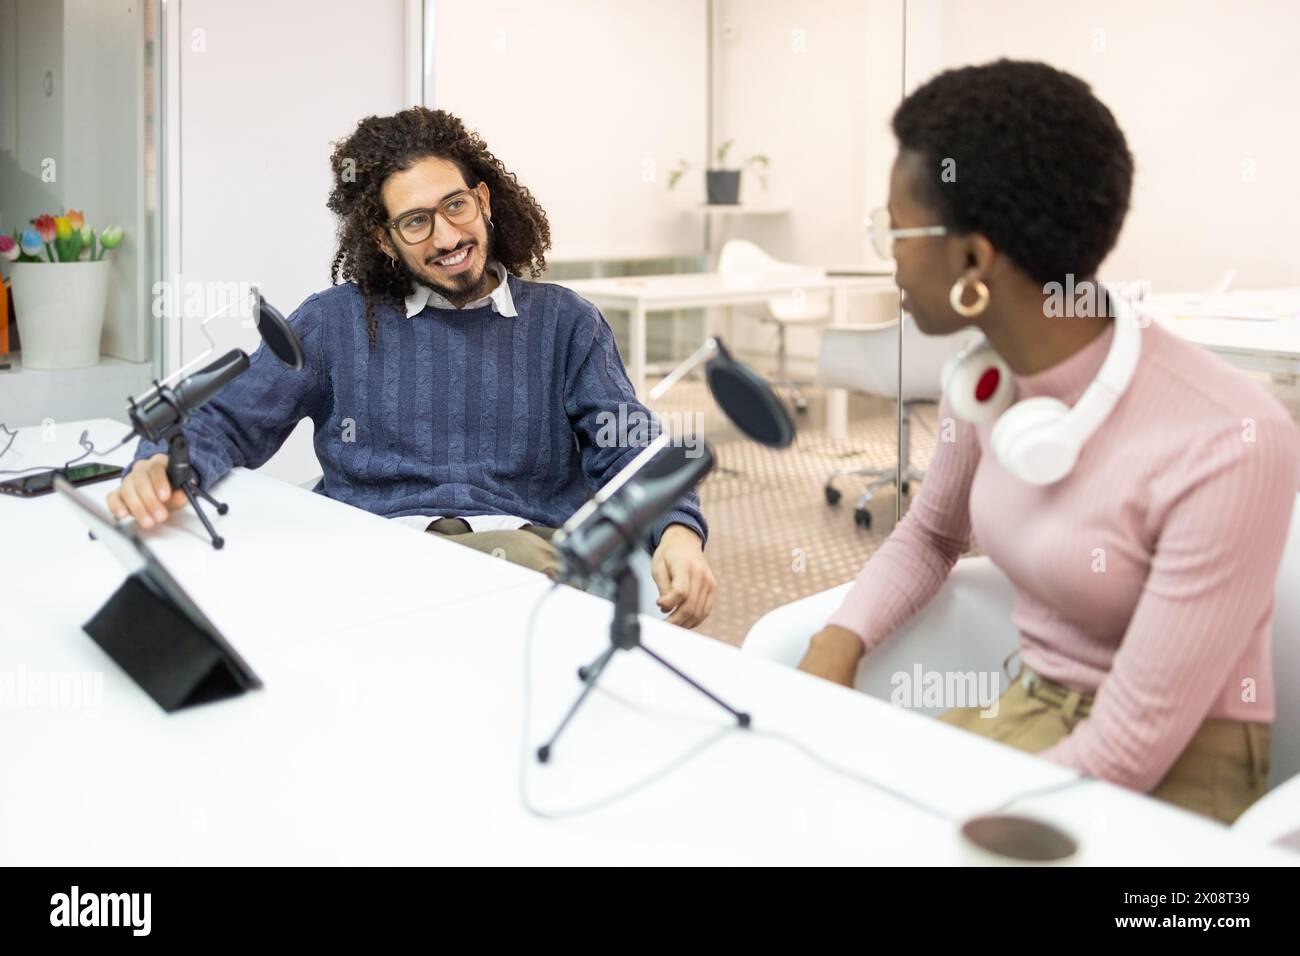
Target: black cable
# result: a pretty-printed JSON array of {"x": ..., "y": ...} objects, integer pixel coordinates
[
  {"x": 84, "y": 441},
  {"x": 646, "y": 782},
  {"x": 12, "y": 435},
  {"x": 808, "y": 752},
  {"x": 1043, "y": 791}
]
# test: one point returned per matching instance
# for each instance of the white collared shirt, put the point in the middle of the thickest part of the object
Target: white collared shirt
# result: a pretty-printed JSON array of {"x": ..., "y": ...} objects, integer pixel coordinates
[{"x": 503, "y": 303}]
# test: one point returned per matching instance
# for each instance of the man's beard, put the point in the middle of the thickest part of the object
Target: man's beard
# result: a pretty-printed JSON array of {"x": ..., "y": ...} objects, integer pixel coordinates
[{"x": 459, "y": 289}]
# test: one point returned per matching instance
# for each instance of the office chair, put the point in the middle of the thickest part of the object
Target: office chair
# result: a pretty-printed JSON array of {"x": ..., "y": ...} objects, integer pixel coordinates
[{"x": 864, "y": 358}]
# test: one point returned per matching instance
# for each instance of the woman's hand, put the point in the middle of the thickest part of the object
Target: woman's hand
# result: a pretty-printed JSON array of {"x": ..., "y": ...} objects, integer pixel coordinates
[{"x": 833, "y": 654}]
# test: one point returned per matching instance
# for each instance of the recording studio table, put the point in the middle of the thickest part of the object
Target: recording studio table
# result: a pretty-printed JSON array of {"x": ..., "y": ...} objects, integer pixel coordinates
[{"x": 390, "y": 726}]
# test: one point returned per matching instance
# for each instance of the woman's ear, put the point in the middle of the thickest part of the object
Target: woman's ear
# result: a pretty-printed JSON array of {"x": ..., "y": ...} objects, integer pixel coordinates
[{"x": 972, "y": 255}]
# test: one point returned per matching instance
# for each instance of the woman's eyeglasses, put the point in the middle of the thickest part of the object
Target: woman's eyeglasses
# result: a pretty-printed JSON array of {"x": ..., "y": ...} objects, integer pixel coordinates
[
  {"x": 882, "y": 236},
  {"x": 459, "y": 209}
]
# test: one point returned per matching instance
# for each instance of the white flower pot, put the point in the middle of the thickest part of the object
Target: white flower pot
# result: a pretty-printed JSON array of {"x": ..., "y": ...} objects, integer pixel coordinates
[{"x": 60, "y": 312}]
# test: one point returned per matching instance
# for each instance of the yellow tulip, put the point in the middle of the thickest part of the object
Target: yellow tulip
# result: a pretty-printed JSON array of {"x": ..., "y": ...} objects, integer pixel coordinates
[{"x": 62, "y": 228}]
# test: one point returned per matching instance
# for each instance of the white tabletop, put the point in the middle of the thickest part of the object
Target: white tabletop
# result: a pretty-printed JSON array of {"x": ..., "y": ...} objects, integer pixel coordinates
[
  {"x": 1218, "y": 323},
  {"x": 389, "y": 727},
  {"x": 698, "y": 289}
]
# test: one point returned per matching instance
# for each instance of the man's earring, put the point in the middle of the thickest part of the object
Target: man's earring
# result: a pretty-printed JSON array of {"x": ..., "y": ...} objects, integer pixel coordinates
[
  {"x": 959, "y": 290},
  {"x": 392, "y": 263}
]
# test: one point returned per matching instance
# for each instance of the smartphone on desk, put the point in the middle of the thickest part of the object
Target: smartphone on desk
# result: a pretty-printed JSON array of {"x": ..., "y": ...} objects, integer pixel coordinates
[{"x": 42, "y": 482}]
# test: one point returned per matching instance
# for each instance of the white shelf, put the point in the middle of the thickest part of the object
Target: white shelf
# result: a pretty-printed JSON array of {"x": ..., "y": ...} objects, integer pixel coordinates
[
  {"x": 29, "y": 396},
  {"x": 740, "y": 209}
]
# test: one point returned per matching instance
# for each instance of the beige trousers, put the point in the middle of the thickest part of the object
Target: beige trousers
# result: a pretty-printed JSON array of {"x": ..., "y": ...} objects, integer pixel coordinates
[
  {"x": 529, "y": 546},
  {"x": 1221, "y": 772}
]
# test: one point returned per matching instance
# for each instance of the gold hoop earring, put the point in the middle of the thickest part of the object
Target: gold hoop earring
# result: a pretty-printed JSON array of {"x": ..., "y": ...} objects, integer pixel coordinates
[{"x": 959, "y": 290}]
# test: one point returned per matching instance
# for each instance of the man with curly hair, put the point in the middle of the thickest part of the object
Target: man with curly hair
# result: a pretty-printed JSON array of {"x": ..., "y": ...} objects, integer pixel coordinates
[{"x": 447, "y": 391}]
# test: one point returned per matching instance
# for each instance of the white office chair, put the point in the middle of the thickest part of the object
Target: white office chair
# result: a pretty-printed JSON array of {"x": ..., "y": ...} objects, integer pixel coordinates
[
  {"x": 1274, "y": 817},
  {"x": 864, "y": 358},
  {"x": 739, "y": 258},
  {"x": 967, "y": 627}
]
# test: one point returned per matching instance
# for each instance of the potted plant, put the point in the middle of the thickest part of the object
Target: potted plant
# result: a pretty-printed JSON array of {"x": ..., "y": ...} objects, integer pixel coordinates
[
  {"x": 60, "y": 286},
  {"x": 723, "y": 184}
]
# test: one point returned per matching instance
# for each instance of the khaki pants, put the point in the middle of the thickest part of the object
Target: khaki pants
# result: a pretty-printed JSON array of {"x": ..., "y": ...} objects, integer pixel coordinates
[
  {"x": 1222, "y": 771},
  {"x": 529, "y": 546}
]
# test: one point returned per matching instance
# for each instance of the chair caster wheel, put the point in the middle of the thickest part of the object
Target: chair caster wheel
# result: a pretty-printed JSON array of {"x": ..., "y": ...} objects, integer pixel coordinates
[
  {"x": 833, "y": 495},
  {"x": 862, "y": 518}
]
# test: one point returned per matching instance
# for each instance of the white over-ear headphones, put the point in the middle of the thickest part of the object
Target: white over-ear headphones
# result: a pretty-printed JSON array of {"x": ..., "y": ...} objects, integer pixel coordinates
[{"x": 1039, "y": 439}]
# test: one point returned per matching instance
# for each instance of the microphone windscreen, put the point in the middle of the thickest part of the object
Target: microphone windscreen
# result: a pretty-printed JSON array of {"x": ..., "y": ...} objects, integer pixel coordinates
[
  {"x": 278, "y": 334},
  {"x": 749, "y": 402}
]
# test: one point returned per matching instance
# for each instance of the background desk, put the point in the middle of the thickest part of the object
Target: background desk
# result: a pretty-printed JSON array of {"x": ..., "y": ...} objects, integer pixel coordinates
[
  {"x": 641, "y": 295},
  {"x": 1258, "y": 345},
  {"x": 389, "y": 727}
]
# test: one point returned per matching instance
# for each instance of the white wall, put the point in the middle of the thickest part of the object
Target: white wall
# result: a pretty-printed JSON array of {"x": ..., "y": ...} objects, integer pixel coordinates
[
  {"x": 1205, "y": 92},
  {"x": 264, "y": 89},
  {"x": 590, "y": 104},
  {"x": 792, "y": 84},
  {"x": 811, "y": 85}
]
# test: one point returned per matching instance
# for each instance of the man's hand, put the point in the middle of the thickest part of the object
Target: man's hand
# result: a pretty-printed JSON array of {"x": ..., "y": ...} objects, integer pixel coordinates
[
  {"x": 833, "y": 653},
  {"x": 685, "y": 581},
  {"x": 145, "y": 494}
]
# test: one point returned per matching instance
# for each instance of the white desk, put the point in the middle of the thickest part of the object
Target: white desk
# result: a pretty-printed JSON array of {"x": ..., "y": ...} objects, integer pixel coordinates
[
  {"x": 388, "y": 730},
  {"x": 1258, "y": 345},
  {"x": 640, "y": 295}
]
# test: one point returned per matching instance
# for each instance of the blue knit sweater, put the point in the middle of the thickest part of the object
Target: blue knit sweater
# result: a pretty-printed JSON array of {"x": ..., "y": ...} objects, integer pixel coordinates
[{"x": 454, "y": 412}]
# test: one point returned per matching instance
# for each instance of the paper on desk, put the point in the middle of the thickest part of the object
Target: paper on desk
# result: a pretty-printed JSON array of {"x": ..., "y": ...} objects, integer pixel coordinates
[{"x": 1257, "y": 307}]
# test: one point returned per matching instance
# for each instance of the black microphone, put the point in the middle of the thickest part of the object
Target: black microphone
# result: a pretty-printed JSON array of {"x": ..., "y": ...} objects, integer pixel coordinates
[
  {"x": 158, "y": 415},
  {"x": 606, "y": 533},
  {"x": 169, "y": 406}
]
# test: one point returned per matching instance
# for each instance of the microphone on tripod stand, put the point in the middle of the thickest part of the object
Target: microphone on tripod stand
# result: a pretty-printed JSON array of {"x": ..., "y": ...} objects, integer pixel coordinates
[
  {"x": 601, "y": 535},
  {"x": 161, "y": 414}
]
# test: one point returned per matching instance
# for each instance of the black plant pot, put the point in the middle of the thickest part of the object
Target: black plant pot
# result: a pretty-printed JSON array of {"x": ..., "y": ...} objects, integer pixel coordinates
[{"x": 723, "y": 186}]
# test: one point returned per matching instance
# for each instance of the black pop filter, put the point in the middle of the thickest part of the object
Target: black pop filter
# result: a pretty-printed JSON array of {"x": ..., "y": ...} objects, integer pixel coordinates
[
  {"x": 278, "y": 334},
  {"x": 748, "y": 400}
]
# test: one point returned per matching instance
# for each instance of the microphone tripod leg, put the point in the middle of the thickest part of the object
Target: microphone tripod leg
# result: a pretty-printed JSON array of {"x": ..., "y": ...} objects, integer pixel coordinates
[
  {"x": 221, "y": 506},
  {"x": 742, "y": 718},
  {"x": 589, "y": 674},
  {"x": 218, "y": 542}
]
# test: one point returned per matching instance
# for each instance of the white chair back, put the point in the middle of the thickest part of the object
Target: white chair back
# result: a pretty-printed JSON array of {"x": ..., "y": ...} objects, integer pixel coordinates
[
  {"x": 741, "y": 258},
  {"x": 864, "y": 358},
  {"x": 1284, "y": 752}
]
